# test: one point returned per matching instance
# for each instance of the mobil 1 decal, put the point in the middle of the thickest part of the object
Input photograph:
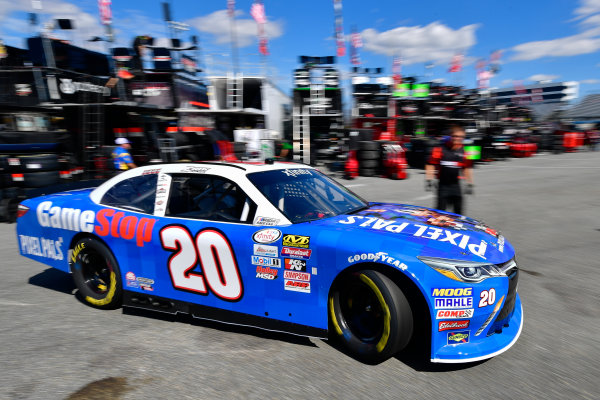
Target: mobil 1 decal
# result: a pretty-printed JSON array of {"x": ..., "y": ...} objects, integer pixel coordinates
[{"x": 202, "y": 264}]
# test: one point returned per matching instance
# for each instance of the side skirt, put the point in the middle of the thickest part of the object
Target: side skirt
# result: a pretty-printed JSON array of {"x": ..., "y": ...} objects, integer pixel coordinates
[{"x": 161, "y": 304}]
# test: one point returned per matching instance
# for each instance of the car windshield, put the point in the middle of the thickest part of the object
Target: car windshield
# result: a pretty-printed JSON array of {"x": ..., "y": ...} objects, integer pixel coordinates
[{"x": 303, "y": 194}]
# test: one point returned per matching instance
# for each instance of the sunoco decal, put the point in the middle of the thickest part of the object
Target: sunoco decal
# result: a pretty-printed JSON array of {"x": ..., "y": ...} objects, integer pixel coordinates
[{"x": 458, "y": 337}]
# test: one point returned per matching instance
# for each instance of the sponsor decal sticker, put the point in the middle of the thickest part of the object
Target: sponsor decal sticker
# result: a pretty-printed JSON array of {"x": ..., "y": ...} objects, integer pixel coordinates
[
  {"x": 458, "y": 292},
  {"x": 42, "y": 247},
  {"x": 294, "y": 264},
  {"x": 266, "y": 261},
  {"x": 151, "y": 171},
  {"x": 130, "y": 276},
  {"x": 297, "y": 286},
  {"x": 109, "y": 222},
  {"x": 296, "y": 172},
  {"x": 266, "y": 236},
  {"x": 458, "y": 337},
  {"x": 266, "y": 273},
  {"x": 148, "y": 288},
  {"x": 451, "y": 325},
  {"x": 379, "y": 256},
  {"x": 428, "y": 232},
  {"x": 266, "y": 221},
  {"x": 264, "y": 250},
  {"x": 299, "y": 276},
  {"x": 454, "y": 314},
  {"x": 145, "y": 281},
  {"x": 195, "y": 170},
  {"x": 446, "y": 303},
  {"x": 296, "y": 241},
  {"x": 296, "y": 253}
]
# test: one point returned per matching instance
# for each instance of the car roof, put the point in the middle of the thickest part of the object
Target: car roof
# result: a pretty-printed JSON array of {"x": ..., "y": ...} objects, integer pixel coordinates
[{"x": 227, "y": 169}]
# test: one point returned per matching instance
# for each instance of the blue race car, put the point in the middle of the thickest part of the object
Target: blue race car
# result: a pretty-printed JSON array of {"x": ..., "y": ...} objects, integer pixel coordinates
[{"x": 283, "y": 247}]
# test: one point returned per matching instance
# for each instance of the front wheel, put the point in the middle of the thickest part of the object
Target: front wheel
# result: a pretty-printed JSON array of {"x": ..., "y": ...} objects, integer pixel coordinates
[
  {"x": 370, "y": 316},
  {"x": 96, "y": 274}
]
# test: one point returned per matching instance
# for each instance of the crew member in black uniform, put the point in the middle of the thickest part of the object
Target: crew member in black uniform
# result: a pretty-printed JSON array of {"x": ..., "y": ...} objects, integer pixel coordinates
[{"x": 449, "y": 164}]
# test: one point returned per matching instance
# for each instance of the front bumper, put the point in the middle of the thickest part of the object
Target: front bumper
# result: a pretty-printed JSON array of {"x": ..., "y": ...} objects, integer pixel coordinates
[{"x": 481, "y": 348}]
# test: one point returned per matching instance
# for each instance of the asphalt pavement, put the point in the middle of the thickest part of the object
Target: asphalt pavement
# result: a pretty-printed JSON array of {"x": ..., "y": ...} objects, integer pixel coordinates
[{"x": 52, "y": 346}]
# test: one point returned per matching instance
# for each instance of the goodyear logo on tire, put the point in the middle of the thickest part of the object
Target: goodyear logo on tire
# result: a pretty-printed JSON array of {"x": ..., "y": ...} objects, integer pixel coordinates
[{"x": 296, "y": 241}]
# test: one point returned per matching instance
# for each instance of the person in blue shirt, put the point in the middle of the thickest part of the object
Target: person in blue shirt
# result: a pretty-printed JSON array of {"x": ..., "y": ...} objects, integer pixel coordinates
[{"x": 121, "y": 157}]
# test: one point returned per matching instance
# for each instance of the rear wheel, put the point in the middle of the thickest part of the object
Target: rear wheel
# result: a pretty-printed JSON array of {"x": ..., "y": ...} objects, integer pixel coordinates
[
  {"x": 96, "y": 274},
  {"x": 370, "y": 316}
]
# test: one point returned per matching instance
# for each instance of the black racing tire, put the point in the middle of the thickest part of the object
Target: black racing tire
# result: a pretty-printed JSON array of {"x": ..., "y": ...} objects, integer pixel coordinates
[
  {"x": 39, "y": 162},
  {"x": 366, "y": 171},
  {"x": 369, "y": 154},
  {"x": 368, "y": 163},
  {"x": 368, "y": 145},
  {"x": 369, "y": 316},
  {"x": 38, "y": 179},
  {"x": 96, "y": 274}
]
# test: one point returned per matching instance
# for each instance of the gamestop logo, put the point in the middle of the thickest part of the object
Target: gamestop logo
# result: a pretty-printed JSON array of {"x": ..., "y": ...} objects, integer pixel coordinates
[{"x": 454, "y": 314}]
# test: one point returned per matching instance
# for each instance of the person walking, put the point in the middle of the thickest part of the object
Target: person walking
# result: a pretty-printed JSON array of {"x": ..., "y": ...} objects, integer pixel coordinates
[
  {"x": 121, "y": 158},
  {"x": 449, "y": 165}
]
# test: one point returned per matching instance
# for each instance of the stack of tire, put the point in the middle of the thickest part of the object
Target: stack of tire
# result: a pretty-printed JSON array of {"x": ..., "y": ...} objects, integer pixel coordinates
[
  {"x": 239, "y": 150},
  {"x": 22, "y": 174},
  {"x": 369, "y": 158}
]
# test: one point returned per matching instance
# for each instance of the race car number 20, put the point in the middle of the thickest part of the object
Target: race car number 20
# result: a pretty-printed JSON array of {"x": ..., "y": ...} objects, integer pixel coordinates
[{"x": 213, "y": 251}]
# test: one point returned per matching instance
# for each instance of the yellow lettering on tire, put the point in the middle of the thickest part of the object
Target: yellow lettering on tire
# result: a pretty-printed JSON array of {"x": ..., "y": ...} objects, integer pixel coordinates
[
  {"x": 109, "y": 296},
  {"x": 387, "y": 318},
  {"x": 333, "y": 319}
]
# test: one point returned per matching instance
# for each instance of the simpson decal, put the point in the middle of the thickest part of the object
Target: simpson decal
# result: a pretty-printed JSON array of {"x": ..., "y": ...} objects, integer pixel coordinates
[{"x": 299, "y": 276}]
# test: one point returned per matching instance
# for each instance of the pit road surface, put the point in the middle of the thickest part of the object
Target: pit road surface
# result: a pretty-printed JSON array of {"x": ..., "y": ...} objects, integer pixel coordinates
[{"x": 548, "y": 206}]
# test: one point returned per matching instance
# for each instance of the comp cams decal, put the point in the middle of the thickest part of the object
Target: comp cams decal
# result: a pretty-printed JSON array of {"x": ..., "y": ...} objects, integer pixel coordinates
[
  {"x": 454, "y": 314},
  {"x": 210, "y": 249},
  {"x": 107, "y": 222},
  {"x": 428, "y": 232}
]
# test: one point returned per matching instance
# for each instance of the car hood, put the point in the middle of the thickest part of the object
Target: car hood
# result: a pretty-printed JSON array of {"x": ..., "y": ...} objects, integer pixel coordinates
[{"x": 431, "y": 232}]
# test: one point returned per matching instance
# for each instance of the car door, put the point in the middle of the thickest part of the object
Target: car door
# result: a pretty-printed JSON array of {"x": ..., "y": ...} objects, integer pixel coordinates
[{"x": 204, "y": 250}]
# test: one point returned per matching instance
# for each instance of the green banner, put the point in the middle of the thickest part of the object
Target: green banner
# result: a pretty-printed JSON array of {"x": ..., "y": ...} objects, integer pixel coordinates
[{"x": 473, "y": 152}]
